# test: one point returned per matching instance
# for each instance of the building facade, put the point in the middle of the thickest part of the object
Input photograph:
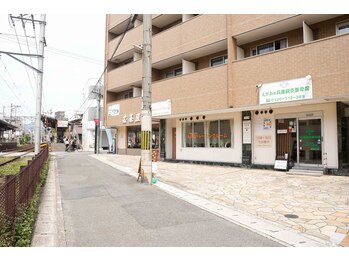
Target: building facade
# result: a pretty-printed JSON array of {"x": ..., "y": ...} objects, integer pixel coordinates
[{"x": 235, "y": 89}]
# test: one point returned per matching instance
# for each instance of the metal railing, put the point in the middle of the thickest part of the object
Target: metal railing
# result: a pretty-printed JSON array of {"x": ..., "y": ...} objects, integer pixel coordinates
[{"x": 17, "y": 190}]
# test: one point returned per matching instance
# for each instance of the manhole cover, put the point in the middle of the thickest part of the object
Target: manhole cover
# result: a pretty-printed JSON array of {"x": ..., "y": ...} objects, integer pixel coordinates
[{"x": 291, "y": 216}]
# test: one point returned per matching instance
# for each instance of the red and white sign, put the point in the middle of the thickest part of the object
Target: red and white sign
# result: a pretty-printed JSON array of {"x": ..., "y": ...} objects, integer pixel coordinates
[{"x": 96, "y": 121}]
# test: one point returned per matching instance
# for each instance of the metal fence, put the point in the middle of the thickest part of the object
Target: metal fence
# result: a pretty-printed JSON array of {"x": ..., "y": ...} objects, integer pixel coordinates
[{"x": 17, "y": 190}]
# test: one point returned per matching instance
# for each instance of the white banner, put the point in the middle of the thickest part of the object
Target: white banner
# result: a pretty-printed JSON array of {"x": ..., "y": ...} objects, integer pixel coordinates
[
  {"x": 161, "y": 108},
  {"x": 114, "y": 110},
  {"x": 62, "y": 123},
  {"x": 286, "y": 91}
]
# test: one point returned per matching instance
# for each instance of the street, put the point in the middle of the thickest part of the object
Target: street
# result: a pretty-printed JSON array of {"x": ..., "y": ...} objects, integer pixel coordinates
[{"x": 105, "y": 207}]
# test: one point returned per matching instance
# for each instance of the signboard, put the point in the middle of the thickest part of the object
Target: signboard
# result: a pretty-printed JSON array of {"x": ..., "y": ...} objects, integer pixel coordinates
[
  {"x": 263, "y": 140},
  {"x": 267, "y": 123},
  {"x": 114, "y": 110},
  {"x": 96, "y": 121},
  {"x": 286, "y": 91},
  {"x": 280, "y": 164},
  {"x": 138, "y": 117},
  {"x": 62, "y": 123},
  {"x": 281, "y": 131},
  {"x": 161, "y": 108},
  {"x": 246, "y": 132}
]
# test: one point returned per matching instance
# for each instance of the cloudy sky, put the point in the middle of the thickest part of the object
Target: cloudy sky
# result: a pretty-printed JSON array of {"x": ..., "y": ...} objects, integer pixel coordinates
[{"x": 73, "y": 59}]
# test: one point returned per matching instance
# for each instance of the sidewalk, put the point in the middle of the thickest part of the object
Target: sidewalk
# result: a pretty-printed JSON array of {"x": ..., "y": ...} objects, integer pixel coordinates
[{"x": 317, "y": 207}]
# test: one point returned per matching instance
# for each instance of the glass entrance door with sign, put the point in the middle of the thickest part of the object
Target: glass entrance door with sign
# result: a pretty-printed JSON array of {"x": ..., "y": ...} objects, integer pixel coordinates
[{"x": 310, "y": 141}]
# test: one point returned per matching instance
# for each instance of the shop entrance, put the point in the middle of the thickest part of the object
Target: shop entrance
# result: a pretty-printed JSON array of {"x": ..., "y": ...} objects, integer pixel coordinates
[{"x": 299, "y": 140}]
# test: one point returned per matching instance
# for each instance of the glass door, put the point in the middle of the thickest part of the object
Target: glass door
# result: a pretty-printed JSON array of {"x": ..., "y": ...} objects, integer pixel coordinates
[{"x": 310, "y": 141}]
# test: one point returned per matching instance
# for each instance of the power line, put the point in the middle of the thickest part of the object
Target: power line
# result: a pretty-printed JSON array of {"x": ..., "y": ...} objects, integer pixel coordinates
[
  {"x": 20, "y": 48},
  {"x": 131, "y": 20},
  {"x": 64, "y": 53}
]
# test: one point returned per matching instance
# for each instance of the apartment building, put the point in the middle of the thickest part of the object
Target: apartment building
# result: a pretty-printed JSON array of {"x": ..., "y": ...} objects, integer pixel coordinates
[{"x": 235, "y": 89}]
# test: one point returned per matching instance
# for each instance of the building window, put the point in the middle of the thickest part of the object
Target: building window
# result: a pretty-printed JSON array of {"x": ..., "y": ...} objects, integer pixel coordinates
[
  {"x": 128, "y": 95},
  {"x": 216, "y": 133},
  {"x": 175, "y": 72},
  {"x": 269, "y": 47},
  {"x": 342, "y": 28},
  {"x": 219, "y": 60}
]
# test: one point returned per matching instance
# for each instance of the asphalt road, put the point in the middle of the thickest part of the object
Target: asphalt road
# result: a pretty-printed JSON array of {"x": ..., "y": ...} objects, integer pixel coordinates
[{"x": 105, "y": 207}]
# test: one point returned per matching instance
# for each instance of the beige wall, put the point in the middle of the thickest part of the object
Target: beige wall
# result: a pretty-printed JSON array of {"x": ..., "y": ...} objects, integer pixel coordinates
[
  {"x": 201, "y": 90},
  {"x": 195, "y": 33},
  {"x": 127, "y": 106},
  {"x": 125, "y": 75},
  {"x": 246, "y": 22},
  {"x": 325, "y": 60}
]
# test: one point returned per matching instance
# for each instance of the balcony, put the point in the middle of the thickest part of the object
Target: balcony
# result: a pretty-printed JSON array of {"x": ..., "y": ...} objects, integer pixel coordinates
[
  {"x": 325, "y": 60},
  {"x": 115, "y": 20},
  {"x": 203, "y": 30},
  {"x": 132, "y": 37},
  {"x": 127, "y": 107},
  {"x": 198, "y": 91},
  {"x": 125, "y": 76}
]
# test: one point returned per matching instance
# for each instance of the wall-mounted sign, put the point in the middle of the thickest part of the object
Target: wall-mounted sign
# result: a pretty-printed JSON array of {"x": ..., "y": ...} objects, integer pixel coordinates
[
  {"x": 130, "y": 118},
  {"x": 114, "y": 110},
  {"x": 267, "y": 123},
  {"x": 281, "y": 131},
  {"x": 286, "y": 91},
  {"x": 263, "y": 140},
  {"x": 62, "y": 123},
  {"x": 161, "y": 108},
  {"x": 124, "y": 119},
  {"x": 246, "y": 132},
  {"x": 138, "y": 117}
]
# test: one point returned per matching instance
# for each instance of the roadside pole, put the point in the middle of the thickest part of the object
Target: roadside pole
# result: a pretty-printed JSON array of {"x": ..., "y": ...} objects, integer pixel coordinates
[
  {"x": 146, "y": 119},
  {"x": 39, "y": 84}
]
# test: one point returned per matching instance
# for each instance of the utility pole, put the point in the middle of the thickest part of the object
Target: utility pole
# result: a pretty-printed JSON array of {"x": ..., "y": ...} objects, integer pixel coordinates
[
  {"x": 97, "y": 119},
  {"x": 42, "y": 42},
  {"x": 146, "y": 120}
]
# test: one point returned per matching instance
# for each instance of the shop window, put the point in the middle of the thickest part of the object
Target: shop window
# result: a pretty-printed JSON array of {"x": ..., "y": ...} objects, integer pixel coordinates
[
  {"x": 134, "y": 137},
  {"x": 208, "y": 134},
  {"x": 269, "y": 47},
  {"x": 199, "y": 135},
  {"x": 219, "y": 60},
  {"x": 342, "y": 28},
  {"x": 225, "y": 133}
]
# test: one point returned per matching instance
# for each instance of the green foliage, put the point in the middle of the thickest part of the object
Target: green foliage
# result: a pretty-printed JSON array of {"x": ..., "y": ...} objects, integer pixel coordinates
[
  {"x": 20, "y": 233},
  {"x": 24, "y": 139},
  {"x": 14, "y": 167}
]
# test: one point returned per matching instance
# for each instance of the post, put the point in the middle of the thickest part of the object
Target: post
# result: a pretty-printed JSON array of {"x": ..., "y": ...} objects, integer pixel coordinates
[
  {"x": 146, "y": 120},
  {"x": 39, "y": 84}
]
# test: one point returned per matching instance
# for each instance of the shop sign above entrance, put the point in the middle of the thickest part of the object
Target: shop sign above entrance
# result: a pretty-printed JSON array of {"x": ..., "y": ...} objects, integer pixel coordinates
[
  {"x": 286, "y": 91},
  {"x": 114, "y": 110}
]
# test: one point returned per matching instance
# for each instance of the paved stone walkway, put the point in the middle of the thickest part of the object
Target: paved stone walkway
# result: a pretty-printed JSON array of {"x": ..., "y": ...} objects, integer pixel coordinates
[{"x": 320, "y": 203}]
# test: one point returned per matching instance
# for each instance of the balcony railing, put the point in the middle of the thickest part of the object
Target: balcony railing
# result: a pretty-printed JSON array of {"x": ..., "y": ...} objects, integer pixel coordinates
[
  {"x": 125, "y": 75},
  {"x": 198, "y": 91},
  {"x": 325, "y": 60},
  {"x": 198, "y": 32}
]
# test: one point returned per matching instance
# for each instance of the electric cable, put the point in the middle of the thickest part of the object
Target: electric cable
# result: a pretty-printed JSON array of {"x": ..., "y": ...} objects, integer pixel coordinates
[
  {"x": 131, "y": 19},
  {"x": 20, "y": 48}
]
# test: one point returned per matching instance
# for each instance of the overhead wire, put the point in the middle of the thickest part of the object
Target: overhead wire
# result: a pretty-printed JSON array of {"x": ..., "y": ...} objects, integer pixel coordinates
[
  {"x": 132, "y": 18},
  {"x": 14, "y": 85},
  {"x": 20, "y": 48}
]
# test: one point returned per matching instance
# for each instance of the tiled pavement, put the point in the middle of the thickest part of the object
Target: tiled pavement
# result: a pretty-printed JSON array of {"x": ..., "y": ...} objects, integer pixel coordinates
[{"x": 320, "y": 203}]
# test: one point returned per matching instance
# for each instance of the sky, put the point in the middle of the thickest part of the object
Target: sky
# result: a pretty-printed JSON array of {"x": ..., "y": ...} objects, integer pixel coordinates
[
  {"x": 74, "y": 58},
  {"x": 75, "y": 35}
]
